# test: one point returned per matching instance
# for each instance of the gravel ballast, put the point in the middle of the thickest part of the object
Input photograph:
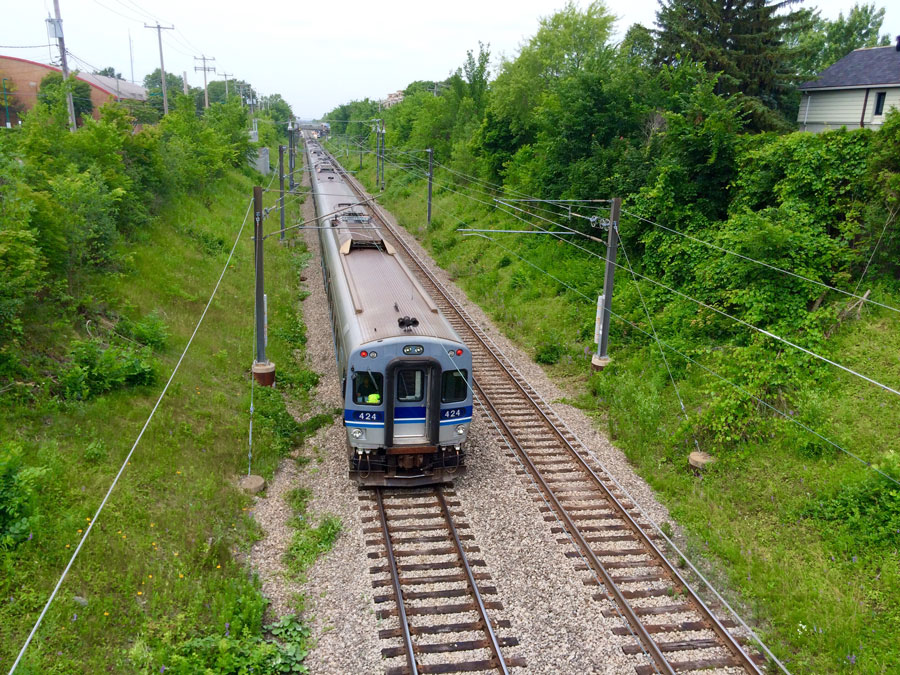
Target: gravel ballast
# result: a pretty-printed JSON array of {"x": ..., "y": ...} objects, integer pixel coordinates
[{"x": 550, "y": 604}]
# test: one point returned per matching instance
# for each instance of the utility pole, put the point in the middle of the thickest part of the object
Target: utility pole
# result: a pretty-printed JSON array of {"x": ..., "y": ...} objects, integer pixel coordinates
[
  {"x": 226, "y": 75},
  {"x": 604, "y": 303},
  {"x": 281, "y": 186},
  {"x": 162, "y": 65},
  {"x": 184, "y": 82},
  {"x": 131, "y": 56},
  {"x": 430, "y": 152},
  {"x": 382, "y": 154},
  {"x": 58, "y": 33},
  {"x": 205, "y": 69},
  {"x": 263, "y": 370}
]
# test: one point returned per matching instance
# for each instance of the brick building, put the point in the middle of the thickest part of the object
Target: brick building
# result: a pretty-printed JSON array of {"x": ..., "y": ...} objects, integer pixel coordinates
[{"x": 23, "y": 80}]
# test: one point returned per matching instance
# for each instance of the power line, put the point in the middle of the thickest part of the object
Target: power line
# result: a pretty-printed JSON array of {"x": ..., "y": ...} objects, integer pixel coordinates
[
  {"x": 133, "y": 447},
  {"x": 736, "y": 319},
  {"x": 115, "y": 11},
  {"x": 697, "y": 363},
  {"x": 765, "y": 264},
  {"x": 714, "y": 309}
]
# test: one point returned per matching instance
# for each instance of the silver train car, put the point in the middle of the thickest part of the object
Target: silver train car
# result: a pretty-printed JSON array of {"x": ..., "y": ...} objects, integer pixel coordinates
[{"x": 405, "y": 373}]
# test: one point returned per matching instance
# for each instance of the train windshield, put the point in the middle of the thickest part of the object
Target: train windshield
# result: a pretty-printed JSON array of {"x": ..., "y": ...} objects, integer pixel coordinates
[
  {"x": 410, "y": 385},
  {"x": 368, "y": 388},
  {"x": 454, "y": 386}
]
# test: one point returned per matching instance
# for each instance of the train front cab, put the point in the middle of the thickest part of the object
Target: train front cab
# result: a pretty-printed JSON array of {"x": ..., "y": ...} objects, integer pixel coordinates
[{"x": 407, "y": 410}]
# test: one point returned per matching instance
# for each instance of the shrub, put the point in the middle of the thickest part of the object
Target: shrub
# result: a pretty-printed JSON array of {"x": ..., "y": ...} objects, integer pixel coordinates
[
  {"x": 150, "y": 331},
  {"x": 549, "y": 352},
  {"x": 95, "y": 369},
  {"x": 17, "y": 486}
]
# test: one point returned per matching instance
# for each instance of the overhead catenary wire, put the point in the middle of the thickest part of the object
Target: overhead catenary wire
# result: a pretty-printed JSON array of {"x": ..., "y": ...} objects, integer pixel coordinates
[
  {"x": 133, "y": 447},
  {"x": 710, "y": 244},
  {"x": 741, "y": 389},
  {"x": 764, "y": 403},
  {"x": 746, "y": 324},
  {"x": 765, "y": 264}
]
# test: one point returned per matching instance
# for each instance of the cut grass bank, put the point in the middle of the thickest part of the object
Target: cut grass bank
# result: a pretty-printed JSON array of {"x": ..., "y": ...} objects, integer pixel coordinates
[
  {"x": 162, "y": 581},
  {"x": 806, "y": 538}
]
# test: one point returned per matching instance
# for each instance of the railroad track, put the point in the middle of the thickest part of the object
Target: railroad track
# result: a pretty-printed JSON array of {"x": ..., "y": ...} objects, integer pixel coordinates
[
  {"x": 672, "y": 624},
  {"x": 426, "y": 583}
]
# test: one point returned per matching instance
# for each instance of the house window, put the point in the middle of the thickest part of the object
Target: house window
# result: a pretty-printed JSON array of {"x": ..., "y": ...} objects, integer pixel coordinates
[{"x": 879, "y": 102}]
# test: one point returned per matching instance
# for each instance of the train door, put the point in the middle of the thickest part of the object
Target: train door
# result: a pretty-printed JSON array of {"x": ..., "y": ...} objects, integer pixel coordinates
[
  {"x": 411, "y": 405},
  {"x": 414, "y": 403}
]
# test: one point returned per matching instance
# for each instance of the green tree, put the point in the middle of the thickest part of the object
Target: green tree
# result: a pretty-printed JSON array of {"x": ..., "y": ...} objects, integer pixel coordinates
[
  {"x": 109, "y": 71},
  {"x": 569, "y": 41},
  {"x": 53, "y": 90},
  {"x": 747, "y": 42},
  {"x": 153, "y": 84},
  {"x": 825, "y": 42}
]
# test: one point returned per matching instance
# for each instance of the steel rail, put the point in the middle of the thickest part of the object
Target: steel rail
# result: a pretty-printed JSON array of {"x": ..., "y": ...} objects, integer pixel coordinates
[
  {"x": 395, "y": 579},
  {"x": 482, "y": 610},
  {"x": 724, "y": 635},
  {"x": 727, "y": 638},
  {"x": 641, "y": 630}
]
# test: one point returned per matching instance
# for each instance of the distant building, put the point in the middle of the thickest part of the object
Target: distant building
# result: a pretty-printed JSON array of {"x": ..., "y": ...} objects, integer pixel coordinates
[
  {"x": 25, "y": 77},
  {"x": 857, "y": 91},
  {"x": 393, "y": 99}
]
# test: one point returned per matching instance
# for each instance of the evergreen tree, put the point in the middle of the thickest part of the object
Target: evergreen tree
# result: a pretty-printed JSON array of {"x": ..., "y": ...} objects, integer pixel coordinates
[{"x": 745, "y": 41}]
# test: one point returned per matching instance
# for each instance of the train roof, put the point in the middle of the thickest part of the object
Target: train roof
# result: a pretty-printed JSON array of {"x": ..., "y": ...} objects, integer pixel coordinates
[{"x": 384, "y": 293}]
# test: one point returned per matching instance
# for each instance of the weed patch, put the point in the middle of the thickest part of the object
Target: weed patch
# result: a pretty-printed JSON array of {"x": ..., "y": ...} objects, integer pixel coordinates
[{"x": 308, "y": 542}]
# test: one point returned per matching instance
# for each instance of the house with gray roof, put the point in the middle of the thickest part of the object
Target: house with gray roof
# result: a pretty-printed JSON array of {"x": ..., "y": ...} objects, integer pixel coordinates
[{"x": 857, "y": 91}]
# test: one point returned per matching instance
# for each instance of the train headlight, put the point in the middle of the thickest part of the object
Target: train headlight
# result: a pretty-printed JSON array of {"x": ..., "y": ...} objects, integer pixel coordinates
[
  {"x": 358, "y": 433},
  {"x": 460, "y": 429}
]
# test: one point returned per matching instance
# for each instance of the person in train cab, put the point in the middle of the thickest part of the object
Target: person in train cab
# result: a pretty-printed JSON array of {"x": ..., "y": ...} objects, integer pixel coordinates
[{"x": 368, "y": 392}]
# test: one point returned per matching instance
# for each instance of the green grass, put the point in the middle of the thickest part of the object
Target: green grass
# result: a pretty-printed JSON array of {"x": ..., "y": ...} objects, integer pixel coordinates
[
  {"x": 308, "y": 541},
  {"x": 165, "y": 561},
  {"x": 803, "y": 538}
]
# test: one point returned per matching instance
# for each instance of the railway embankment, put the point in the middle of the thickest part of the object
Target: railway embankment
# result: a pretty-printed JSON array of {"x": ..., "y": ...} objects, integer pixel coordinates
[
  {"x": 799, "y": 533},
  {"x": 162, "y": 581}
]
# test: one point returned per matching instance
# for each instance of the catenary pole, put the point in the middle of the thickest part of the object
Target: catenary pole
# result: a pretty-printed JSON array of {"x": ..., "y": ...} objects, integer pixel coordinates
[
  {"x": 601, "y": 359},
  {"x": 281, "y": 185},
  {"x": 291, "y": 155},
  {"x": 70, "y": 104},
  {"x": 263, "y": 370},
  {"x": 430, "y": 152},
  {"x": 162, "y": 64}
]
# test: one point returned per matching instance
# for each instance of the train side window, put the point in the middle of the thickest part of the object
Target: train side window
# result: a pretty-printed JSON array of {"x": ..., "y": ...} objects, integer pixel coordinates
[
  {"x": 410, "y": 385},
  {"x": 454, "y": 386},
  {"x": 368, "y": 387}
]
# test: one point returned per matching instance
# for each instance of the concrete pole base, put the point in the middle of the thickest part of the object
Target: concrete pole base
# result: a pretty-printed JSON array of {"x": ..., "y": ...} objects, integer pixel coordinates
[
  {"x": 264, "y": 373},
  {"x": 598, "y": 363}
]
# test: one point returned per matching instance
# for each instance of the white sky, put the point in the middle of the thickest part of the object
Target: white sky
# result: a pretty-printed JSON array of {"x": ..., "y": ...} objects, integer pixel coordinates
[{"x": 317, "y": 55}]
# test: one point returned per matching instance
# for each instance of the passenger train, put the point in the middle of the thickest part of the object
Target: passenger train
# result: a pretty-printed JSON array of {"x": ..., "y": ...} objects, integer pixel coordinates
[{"x": 405, "y": 373}]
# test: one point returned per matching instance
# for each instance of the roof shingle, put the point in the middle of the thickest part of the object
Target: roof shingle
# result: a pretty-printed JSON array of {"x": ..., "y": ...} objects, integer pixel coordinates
[{"x": 860, "y": 68}]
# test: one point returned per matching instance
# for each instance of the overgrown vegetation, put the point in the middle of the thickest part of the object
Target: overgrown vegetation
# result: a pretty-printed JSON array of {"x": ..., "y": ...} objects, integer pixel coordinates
[
  {"x": 308, "y": 542},
  {"x": 802, "y": 530},
  {"x": 110, "y": 243}
]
